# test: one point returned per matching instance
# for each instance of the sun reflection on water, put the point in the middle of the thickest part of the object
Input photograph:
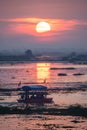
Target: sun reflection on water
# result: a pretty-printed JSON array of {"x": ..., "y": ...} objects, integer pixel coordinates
[{"x": 43, "y": 72}]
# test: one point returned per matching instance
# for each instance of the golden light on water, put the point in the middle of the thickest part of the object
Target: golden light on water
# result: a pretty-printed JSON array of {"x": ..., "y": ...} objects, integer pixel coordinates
[{"x": 43, "y": 72}]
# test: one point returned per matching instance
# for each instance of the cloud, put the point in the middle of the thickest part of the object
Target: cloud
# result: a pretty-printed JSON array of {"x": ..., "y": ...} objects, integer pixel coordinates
[
  {"x": 27, "y": 26},
  {"x": 65, "y": 34}
]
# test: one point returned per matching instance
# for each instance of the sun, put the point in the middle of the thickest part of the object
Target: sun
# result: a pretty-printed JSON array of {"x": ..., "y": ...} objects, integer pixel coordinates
[{"x": 42, "y": 27}]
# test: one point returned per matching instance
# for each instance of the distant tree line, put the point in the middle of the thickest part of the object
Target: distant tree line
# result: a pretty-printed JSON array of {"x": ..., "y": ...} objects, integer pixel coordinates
[
  {"x": 73, "y": 57},
  {"x": 27, "y": 56}
]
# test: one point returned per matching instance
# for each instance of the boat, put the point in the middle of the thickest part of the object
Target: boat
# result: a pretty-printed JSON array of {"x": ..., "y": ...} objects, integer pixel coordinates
[{"x": 36, "y": 94}]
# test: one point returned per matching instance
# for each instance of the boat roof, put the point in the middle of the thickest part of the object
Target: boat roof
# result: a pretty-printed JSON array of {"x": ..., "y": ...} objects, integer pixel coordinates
[{"x": 33, "y": 87}]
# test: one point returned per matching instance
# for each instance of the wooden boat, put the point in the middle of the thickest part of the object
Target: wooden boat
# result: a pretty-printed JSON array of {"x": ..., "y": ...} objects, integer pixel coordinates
[
  {"x": 36, "y": 101},
  {"x": 34, "y": 95}
]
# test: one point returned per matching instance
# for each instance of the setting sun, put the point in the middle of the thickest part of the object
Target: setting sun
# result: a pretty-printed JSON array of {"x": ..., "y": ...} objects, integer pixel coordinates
[{"x": 43, "y": 27}]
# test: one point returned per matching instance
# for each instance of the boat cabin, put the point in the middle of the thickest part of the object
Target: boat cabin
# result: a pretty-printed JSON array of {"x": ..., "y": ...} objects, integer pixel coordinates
[{"x": 34, "y": 94}]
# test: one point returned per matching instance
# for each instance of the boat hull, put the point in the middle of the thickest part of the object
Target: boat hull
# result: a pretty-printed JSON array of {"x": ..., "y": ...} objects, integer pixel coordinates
[{"x": 36, "y": 101}]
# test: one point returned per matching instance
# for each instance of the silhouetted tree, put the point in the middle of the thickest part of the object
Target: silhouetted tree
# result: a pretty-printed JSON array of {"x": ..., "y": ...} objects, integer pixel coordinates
[{"x": 29, "y": 53}]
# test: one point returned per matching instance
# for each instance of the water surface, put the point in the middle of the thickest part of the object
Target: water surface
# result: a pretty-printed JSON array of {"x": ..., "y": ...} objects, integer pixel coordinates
[{"x": 40, "y": 73}]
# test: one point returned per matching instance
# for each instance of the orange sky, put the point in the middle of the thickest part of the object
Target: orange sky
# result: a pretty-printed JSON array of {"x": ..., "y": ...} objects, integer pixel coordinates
[
  {"x": 28, "y": 25},
  {"x": 67, "y": 18}
]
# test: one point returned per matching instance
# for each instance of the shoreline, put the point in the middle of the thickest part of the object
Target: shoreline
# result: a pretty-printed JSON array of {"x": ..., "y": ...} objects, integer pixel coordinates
[{"x": 42, "y": 61}]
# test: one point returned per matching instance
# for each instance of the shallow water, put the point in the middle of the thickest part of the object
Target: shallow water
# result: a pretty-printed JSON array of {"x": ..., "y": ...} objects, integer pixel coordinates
[
  {"x": 42, "y": 122},
  {"x": 11, "y": 75},
  {"x": 40, "y": 73}
]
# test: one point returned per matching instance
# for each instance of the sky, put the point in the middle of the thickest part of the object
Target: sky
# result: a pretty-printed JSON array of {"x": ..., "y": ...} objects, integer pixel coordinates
[{"x": 67, "y": 19}]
